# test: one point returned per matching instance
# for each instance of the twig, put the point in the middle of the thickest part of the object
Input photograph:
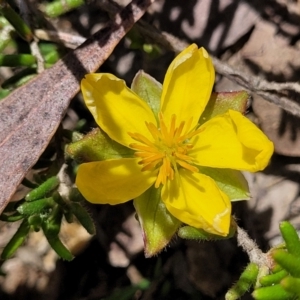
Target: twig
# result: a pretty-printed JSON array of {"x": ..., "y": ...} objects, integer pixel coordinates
[
  {"x": 69, "y": 40},
  {"x": 35, "y": 50},
  {"x": 273, "y": 92},
  {"x": 65, "y": 182},
  {"x": 250, "y": 247}
]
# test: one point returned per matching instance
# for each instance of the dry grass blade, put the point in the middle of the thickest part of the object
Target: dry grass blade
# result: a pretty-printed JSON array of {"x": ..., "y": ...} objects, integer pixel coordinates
[{"x": 31, "y": 114}]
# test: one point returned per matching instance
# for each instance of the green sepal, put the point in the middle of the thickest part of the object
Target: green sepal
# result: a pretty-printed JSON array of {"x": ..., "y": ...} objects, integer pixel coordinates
[
  {"x": 158, "y": 225},
  {"x": 274, "y": 292},
  {"x": 231, "y": 182},
  {"x": 246, "y": 280},
  {"x": 272, "y": 279},
  {"x": 220, "y": 103},
  {"x": 17, "y": 240},
  {"x": 192, "y": 233},
  {"x": 148, "y": 89},
  {"x": 289, "y": 262},
  {"x": 291, "y": 285},
  {"x": 83, "y": 217},
  {"x": 43, "y": 190},
  {"x": 290, "y": 237},
  {"x": 96, "y": 146}
]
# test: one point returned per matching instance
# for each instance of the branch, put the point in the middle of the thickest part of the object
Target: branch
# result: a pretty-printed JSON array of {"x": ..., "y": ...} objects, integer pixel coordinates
[
  {"x": 250, "y": 247},
  {"x": 274, "y": 92}
]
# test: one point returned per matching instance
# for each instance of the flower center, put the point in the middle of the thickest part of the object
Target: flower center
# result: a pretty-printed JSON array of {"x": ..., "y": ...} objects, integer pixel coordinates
[{"x": 169, "y": 149}]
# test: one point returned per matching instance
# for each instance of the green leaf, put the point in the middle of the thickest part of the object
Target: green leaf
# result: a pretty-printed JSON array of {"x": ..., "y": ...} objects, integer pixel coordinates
[
  {"x": 35, "y": 207},
  {"x": 244, "y": 283},
  {"x": 220, "y": 103},
  {"x": 272, "y": 279},
  {"x": 51, "y": 228},
  {"x": 57, "y": 8},
  {"x": 11, "y": 218},
  {"x": 157, "y": 223},
  {"x": 83, "y": 217},
  {"x": 274, "y": 292},
  {"x": 43, "y": 190},
  {"x": 16, "y": 21},
  {"x": 290, "y": 237},
  {"x": 148, "y": 89},
  {"x": 76, "y": 196},
  {"x": 35, "y": 221},
  {"x": 3, "y": 94},
  {"x": 59, "y": 247},
  {"x": 96, "y": 146},
  {"x": 16, "y": 241},
  {"x": 276, "y": 267},
  {"x": 291, "y": 285},
  {"x": 289, "y": 262},
  {"x": 16, "y": 60},
  {"x": 231, "y": 182}
]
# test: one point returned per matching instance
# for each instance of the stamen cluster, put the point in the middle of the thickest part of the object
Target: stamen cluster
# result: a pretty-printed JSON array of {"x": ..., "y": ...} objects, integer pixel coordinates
[{"x": 168, "y": 150}]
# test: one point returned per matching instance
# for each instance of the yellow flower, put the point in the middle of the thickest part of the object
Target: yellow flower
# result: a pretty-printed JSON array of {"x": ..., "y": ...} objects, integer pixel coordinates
[{"x": 170, "y": 146}]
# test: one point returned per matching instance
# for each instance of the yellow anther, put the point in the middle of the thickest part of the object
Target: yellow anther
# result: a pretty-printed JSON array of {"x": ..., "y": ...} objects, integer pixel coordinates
[{"x": 169, "y": 149}]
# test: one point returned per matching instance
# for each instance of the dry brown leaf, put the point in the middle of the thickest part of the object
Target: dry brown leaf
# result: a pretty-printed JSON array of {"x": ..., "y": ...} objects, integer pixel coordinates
[{"x": 31, "y": 114}]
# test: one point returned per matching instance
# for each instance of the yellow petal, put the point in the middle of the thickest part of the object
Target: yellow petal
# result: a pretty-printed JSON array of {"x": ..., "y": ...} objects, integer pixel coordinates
[
  {"x": 232, "y": 141},
  {"x": 196, "y": 200},
  {"x": 187, "y": 85},
  {"x": 113, "y": 181},
  {"x": 116, "y": 109}
]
